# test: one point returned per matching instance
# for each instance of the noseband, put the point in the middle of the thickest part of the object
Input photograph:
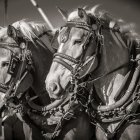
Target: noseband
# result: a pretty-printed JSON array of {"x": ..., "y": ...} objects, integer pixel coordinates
[{"x": 61, "y": 57}]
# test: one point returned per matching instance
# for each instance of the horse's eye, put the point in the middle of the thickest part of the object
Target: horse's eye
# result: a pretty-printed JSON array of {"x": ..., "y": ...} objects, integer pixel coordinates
[
  {"x": 6, "y": 63},
  {"x": 77, "y": 42}
]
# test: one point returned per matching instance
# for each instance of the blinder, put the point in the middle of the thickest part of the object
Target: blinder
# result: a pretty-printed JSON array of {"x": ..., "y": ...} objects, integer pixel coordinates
[{"x": 14, "y": 65}]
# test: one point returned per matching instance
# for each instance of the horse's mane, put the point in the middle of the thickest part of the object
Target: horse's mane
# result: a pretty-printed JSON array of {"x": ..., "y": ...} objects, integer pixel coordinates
[
  {"x": 29, "y": 29},
  {"x": 127, "y": 29},
  {"x": 32, "y": 29}
]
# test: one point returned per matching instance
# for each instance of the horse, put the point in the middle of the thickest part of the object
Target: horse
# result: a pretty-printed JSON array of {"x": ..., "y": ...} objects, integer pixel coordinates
[
  {"x": 99, "y": 56},
  {"x": 25, "y": 57}
]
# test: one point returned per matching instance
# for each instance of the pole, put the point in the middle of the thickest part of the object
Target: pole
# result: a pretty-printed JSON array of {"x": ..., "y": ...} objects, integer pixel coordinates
[
  {"x": 42, "y": 14},
  {"x": 5, "y": 12}
]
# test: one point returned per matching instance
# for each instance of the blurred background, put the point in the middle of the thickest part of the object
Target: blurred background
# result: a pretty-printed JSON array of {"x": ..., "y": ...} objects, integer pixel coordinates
[{"x": 14, "y": 10}]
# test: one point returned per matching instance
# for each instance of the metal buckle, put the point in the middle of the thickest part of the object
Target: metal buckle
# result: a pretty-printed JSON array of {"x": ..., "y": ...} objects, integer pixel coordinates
[
  {"x": 101, "y": 40},
  {"x": 28, "y": 57},
  {"x": 14, "y": 65}
]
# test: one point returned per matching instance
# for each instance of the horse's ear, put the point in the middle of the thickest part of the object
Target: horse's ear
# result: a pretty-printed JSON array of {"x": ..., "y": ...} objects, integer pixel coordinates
[
  {"x": 63, "y": 13},
  {"x": 83, "y": 15},
  {"x": 12, "y": 32}
]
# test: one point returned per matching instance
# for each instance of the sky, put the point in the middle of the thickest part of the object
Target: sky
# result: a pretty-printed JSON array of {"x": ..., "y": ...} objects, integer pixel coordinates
[{"x": 129, "y": 10}]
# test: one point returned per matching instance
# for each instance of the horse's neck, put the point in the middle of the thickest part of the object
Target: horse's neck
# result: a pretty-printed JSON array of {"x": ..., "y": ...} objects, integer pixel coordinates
[
  {"x": 42, "y": 58},
  {"x": 112, "y": 56}
]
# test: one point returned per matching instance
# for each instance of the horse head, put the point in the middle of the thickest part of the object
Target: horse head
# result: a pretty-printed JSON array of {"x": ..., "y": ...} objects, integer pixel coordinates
[
  {"x": 11, "y": 53},
  {"x": 23, "y": 57},
  {"x": 77, "y": 52}
]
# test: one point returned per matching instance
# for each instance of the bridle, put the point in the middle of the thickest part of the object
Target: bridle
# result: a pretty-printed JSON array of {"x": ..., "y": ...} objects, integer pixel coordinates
[{"x": 61, "y": 57}]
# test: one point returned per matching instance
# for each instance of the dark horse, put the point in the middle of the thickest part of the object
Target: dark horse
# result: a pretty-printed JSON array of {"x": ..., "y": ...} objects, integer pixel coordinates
[
  {"x": 24, "y": 63},
  {"x": 99, "y": 56}
]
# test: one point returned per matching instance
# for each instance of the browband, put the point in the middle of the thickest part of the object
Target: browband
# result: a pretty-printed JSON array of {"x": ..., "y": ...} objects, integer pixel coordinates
[
  {"x": 8, "y": 46},
  {"x": 79, "y": 25}
]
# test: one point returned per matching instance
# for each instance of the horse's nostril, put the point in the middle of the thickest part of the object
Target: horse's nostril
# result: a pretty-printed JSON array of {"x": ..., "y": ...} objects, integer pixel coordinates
[{"x": 53, "y": 87}]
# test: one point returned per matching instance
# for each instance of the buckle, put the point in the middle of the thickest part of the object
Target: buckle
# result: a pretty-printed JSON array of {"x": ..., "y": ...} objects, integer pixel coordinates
[
  {"x": 14, "y": 65},
  {"x": 29, "y": 57},
  {"x": 101, "y": 40}
]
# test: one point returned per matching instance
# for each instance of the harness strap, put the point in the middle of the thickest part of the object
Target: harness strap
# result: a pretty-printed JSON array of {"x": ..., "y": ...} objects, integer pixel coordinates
[
  {"x": 126, "y": 119},
  {"x": 79, "y": 25},
  {"x": 66, "y": 57},
  {"x": 128, "y": 93},
  {"x": 62, "y": 62},
  {"x": 120, "y": 39},
  {"x": 46, "y": 107},
  {"x": 50, "y": 48},
  {"x": 6, "y": 44},
  {"x": 3, "y": 87},
  {"x": 115, "y": 38}
]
